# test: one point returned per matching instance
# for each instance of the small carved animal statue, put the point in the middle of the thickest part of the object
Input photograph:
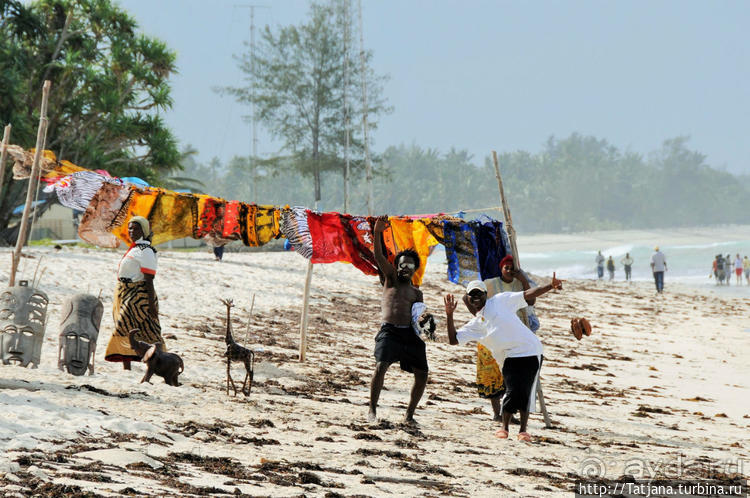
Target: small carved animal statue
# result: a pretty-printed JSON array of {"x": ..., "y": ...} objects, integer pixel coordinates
[
  {"x": 237, "y": 353},
  {"x": 166, "y": 365}
]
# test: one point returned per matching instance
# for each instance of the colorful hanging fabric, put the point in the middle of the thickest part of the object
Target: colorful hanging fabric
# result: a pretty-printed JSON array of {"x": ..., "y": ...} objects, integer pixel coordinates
[
  {"x": 333, "y": 240},
  {"x": 211, "y": 212},
  {"x": 434, "y": 225},
  {"x": 141, "y": 203},
  {"x": 231, "y": 225},
  {"x": 211, "y": 217},
  {"x": 491, "y": 248},
  {"x": 412, "y": 234},
  {"x": 246, "y": 220},
  {"x": 173, "y": 216},
  {"x": 460, "y": 251},
  {"x": 267, "y": 224},
  {"x": 295, "y": 228},
  {"x": 76, "y": 190},
  {"x": 104, "y": 207},
  {"x": 359, "y": 230},
  {"x": 49, "y": 165}
]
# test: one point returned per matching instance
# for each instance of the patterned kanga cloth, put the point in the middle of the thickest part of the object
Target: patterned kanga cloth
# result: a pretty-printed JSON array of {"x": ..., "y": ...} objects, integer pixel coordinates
[
  {"x": 141, "y": 203},
  {"x": 335, "y": 238},
  {"x": 489, "y": 377},
  {"x": 130, "y": 311},
  {"x": 231, "y": 226},
  {"x": 76, "y": 191},
  {"x": 267, "y": 224},
  {"x": 491, "y": 246},
  {"x": 173, "y": 216},
  {"x": 101, "y": 211},
  {"x": 461, "y": 252},
  {"x": 294, "y": 227}
]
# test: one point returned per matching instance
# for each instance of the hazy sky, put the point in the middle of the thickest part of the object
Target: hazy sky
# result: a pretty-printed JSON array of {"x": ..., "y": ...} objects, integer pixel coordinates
[{"x": 483, "y": 75}]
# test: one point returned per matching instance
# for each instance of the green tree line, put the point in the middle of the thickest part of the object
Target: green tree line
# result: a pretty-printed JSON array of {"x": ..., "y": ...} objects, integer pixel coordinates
[{"x": 578, "y": 183}]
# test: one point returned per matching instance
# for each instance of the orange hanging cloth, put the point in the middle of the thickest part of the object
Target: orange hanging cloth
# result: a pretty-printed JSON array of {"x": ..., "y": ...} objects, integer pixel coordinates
[
  {"x": 412, "y": 234},
  {"x": 141, "y": 203}
]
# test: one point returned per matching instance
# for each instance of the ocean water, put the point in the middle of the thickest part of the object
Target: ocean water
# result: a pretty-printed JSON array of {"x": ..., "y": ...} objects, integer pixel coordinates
[
  {"x": 690, "y": 254},
  {"x": 686, "y": 263}
]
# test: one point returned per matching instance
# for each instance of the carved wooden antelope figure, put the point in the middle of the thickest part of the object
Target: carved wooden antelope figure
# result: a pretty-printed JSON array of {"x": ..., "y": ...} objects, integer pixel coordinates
[{"x": 237, "y": 353}]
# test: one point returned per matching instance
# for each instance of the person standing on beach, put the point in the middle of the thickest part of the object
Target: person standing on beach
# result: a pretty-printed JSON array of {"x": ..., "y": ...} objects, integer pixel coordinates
[
  {"x": 218, "y": 251},
  {"x": 718, "y": 268},
  {"x": 738, "y": 269},
  {"x": 746, "y": 267},
  {"x": 497, "y": 326},
  {"x": 397, "y": 340},
  {"x": 658, "y": 267},
  {"x": 600, "y": 265},
  {"x": 135, "y": 305},
  {"x": 489, "y": 378},
  {"x": 611, "y": 268},
  {"x": 728, "y": 268},
  {"x": 627, "y": 263}
]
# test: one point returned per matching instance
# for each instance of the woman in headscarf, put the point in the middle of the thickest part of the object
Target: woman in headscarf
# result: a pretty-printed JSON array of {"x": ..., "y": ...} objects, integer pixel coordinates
[{"x": 135, "y": 305}]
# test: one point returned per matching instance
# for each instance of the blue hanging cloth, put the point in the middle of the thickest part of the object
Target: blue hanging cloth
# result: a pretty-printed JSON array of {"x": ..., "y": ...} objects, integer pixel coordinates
[
  {"x": 491, "y": 248},
  {"x": 460, "y": 251}
]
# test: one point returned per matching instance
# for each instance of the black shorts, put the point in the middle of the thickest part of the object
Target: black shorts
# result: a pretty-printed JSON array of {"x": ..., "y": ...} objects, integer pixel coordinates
[
  {"x": 400, "y": 344},
  {"x": 519, "y": 376}
]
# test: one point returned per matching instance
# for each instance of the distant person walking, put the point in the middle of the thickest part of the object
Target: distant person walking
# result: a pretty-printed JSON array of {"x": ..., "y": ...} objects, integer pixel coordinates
[
  {"x": 658, "y": 267},
  {"x": 728, "y": 268},
  {"x": 746, "y": 266},
  {"x": 611, "y": 268},
  {"x": 738, "y": 269},
  {"x": 218, "y": 252},
  {"x": 627, "y": 262},
  {"x": 718, "y": 268},
  {"x": 600, "y": 265}
]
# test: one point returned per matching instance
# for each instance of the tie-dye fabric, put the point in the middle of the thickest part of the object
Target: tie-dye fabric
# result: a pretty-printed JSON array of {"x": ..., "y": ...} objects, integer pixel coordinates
[
  {"x": 461, "y": 252},
  {"x": 102, "y": 210},
  {"x": 141, "y": 203},
  {"x": 173, "y": 216}
]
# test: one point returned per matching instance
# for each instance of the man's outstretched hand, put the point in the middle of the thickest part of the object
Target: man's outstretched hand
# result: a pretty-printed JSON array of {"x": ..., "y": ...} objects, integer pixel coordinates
[
  {"x": 380, "y": 224},
  {"x": 556, "y": 284},
  {"x": 450, "y": 304}
]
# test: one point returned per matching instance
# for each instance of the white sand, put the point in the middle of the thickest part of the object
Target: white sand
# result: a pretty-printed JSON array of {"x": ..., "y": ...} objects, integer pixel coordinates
[{"x": 303, "y": 429}]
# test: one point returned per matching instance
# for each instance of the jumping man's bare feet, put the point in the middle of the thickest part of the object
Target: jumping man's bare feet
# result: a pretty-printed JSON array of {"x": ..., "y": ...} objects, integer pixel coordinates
[
  {"x": 409, "y": 420},
  {"x": 372, "y": 417}
]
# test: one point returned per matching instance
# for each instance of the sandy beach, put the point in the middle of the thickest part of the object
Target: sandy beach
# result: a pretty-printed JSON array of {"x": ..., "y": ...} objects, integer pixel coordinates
[{"x": 660, "y": 389}]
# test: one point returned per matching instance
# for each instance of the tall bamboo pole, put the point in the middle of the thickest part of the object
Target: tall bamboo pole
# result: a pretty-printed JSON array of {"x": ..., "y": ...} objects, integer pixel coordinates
[
  {"x": 347, "y": 172},
  {"x": 363, "y": 69},
  {"x": 3, "y": 153},
  {"x": 40, "y": 143},
  {"x": 516, "y": 264}
]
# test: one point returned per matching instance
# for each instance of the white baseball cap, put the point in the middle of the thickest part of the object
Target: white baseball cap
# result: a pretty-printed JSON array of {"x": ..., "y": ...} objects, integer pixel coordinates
[{"x": 476, "y": 284}]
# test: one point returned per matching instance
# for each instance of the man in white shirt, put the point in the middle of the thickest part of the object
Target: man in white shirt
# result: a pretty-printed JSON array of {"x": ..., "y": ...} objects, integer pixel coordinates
[
  {"x": 497, "y": 327},
  {"x": 658, "y": 267}
]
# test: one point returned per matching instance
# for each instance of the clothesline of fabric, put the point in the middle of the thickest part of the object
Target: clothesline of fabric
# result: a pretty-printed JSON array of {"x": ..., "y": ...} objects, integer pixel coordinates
[{"x": 473, "y": 249}]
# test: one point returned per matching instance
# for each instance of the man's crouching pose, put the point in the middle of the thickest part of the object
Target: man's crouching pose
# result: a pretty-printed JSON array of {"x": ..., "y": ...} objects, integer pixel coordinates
[
  {"x": 397, "y": 339},
  {"x": 497, "y": 327}
]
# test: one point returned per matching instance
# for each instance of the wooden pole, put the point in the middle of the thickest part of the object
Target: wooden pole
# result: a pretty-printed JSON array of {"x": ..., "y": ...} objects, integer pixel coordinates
[
  {"x": 305, "y": 308},
  {"x": 363, "y": 70},
  {"x": 40, "y": 142},
  {"x": 3, "y": 153},
  {"x": 516, "y": 264}
]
